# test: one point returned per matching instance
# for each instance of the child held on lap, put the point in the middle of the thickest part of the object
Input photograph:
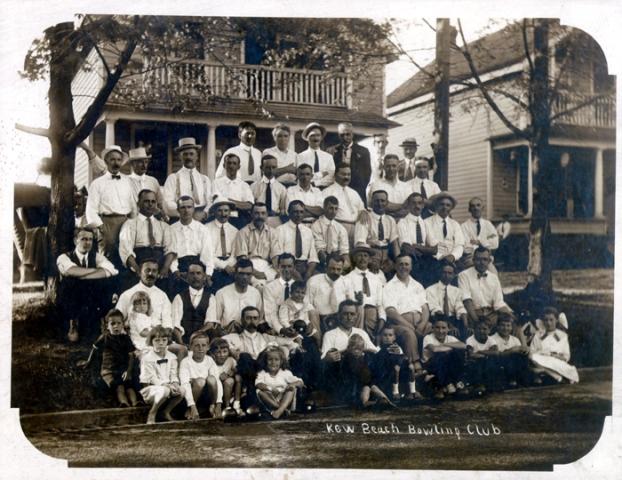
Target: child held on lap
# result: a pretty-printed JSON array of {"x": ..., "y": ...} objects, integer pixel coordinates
[
  {"x": 275, "y": 384},
  {"x": 230, "y": 382},
  {"x": 117, "y": 359},
  {"x": 512, "y": 359},
  {"x": 158, "y": 375},
  {"x": 550, "y": 351},
  {"x": 139, "y": 322},
  {"x": 297, "y": 308},
  {"x": 198, "y": 375},
  {"x": 481, "y": 350}
]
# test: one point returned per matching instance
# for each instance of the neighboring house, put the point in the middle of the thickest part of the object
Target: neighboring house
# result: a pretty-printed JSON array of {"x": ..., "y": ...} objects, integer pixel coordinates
[
  {"x": 486, "y": 159},
  {"x": 232, "y": 75}
]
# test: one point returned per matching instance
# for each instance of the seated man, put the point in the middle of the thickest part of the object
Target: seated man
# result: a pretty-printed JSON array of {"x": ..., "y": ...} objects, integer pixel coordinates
[
  {"x": 187, "y": 181},
  {"x": 406, "y": 307},
  {"x": 397, "y": 191},
  {"x": 378, "y": 230},
  {"x": 481, "y": 290},
  {"x": 278, "y": 290},
  {"x": 297, "y": 239},
  {"x": 478, "y": 232},
  {"x": 444, "y": 298},
  {"x": 444, "y": 233},
  {"x": 222, "y": 235},
  {"x": 250, "y": 157},
  {"x": 236, "y": 190},
  {"x": 84, "y": 292},
  {"x": 350, "y": 203},
  {"x": 269, "y": 190},
  {"x": 309, "y": 195},
  {"x": 258, "y": 242},
  {"x": 330, "y": 236},
  {"x": 147, "y": 237},
  {"x": 190, "y": 305},
  {"x": 192, "y": 244},
  {"x": 322, "y": 162},
  {"x": 422, "y": 184},
  {"x": 224, "y": 312}
]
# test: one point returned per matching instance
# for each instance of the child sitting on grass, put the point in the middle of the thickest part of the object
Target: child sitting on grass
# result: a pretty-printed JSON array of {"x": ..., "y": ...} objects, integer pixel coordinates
[
  {"x": 297, "y": 308},
  {"x": 275, "y": 384},
  {"x": 550, "y": 351},
  {"x": 139, "y": 321},
  {"x": 443, "y": 358},
  {"x": 230, "y": 382},
  {"x": 158, "y": 375},
  {"x": 117, "y": 359},
  {"x": 482, "y": 351},
  {"x": 512, "y": 359},
  {"x": 198, "y": 375}
]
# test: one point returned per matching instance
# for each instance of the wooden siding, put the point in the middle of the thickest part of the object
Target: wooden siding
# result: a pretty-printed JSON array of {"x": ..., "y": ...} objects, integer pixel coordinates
[{"x": 368, "y": 91}]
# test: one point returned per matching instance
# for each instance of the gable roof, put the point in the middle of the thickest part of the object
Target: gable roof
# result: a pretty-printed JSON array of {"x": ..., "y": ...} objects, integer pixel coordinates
[{"x": 491, "y": 52}]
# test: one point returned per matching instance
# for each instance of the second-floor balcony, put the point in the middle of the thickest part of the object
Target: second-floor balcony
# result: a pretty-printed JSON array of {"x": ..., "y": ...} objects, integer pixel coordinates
[
  {"x": 585, "y": 110},
  {"x": 202, "y": 79}
]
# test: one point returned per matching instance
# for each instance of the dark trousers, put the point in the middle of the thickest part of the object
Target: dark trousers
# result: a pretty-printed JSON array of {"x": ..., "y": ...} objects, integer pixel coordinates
[
  {"x": 248, "y": 368},
  {"x": 383, "y": 366},
  {"x": 306, "y": 364},
  {"x": 482, "y": 371},
  {"x": 447, "y": 367},
  {"x": 513, "y": 367}
]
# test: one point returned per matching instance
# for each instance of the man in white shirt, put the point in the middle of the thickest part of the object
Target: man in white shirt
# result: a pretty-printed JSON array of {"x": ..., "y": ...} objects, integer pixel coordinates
[
  {"x": 444, "y": 233},
  {"x": 250, "y": 157},
  {"x": 139, "y": 161},
  {"x": 222, "y": 235},
  {"x": 286, "y": 157},
  {"x": 297, "y": 239},
  {"x": 270, "y": 191},
  {"x": 329, "y": 235},
  {"x": 380, "y": 147},
  {"x": 322, "y": 162},
  {"x": 422, "y": 184},
  {"x": 478, "y": 232},
  {"x": 321, "y": 289},
  {"x": 192, "y": 244},
  {"x": 85, "y": 288},
  {"x": 110, "y": 202},
  {"x": 481, "y": 290},
  {"x": 407, "y": 166},
  {"x": 445, "y": 299},
  {"x": 187, "y": 181},
  {"x": 397, "y": 190},
  {"x": 305, "y": 192},
  {"x": 350, "y": 203},
  {"x": 277, "y": 291},
  {"x": 236, "y": 190},
  {"x": 406, "y": 308}
]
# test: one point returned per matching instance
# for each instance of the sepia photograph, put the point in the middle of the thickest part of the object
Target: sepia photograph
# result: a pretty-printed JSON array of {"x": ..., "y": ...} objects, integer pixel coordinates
[{"x": 369, "y": 241}]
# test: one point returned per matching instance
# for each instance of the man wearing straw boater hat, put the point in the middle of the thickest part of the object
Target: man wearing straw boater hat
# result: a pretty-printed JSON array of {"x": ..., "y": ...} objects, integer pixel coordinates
[
  {"x": 110, "y": 203},
  {"x": 407, "y": 166},
  {"x": 444, "y": 233},
  {"x": 139, "y": 161},
  {"x": 322, "y": 162},
  {"x": 250, "y": 157},
  {"x": 187, "y": 181},
  {"x": 222, "y": 235}
]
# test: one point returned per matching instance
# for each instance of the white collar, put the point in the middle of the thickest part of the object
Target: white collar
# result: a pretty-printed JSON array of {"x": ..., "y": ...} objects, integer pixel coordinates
[
  {"x": 143, "y": 218},
  {"x": 265, "y": 179},
  {"x": 81, "y": 255},
  {"x": 189, "y": 170},
  {"x": 194, "y": 292}
]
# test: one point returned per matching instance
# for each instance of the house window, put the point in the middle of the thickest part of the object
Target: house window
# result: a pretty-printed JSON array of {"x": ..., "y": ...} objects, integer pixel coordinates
[
  {"x": 510, "y": 185},
  {"x": 574, "y": 182}
]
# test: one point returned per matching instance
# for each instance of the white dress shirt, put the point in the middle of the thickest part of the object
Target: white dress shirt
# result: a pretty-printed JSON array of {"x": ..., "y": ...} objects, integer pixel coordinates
[
  {"x": 286, "y": 238},
  {"x": 160, "y": 304},
  {"x": 311, "y": 198},
  {"x": 213, "y": 230},
  {"x": 255, "y": 343},
  {"x": 488, "y": 236},
  {"x": 135, "y": 233},
  {"x": 367, "y": 230},
  {"x": 179, "y": 184},
  {"x": 485, "y": 291},
  {"x": 193, "y": 239},
  {"x": 321, "y": 293},
  {"x": 229, "y": 303},
  {"x": 407, "y": 230},
  {"x": 431, "y": 187},
  {"x": 397, "y": 191},
  {"x": 154, "y": 373},
  {"x": 146, "y": 182},
  {"x": 452, "y": 244},
  {"x": 109, "y": 196},
  {"x": 326, "y": 175},
  {"x": 243, "y": 152},
  {"x": 259, "y": 187},
  {"x": 177, "y": 308},
  {"x": 254, "y": 243},
  {"x": 435, "y": 295},
  {"x": 236, "y": 189},
  {"x": 404, "y": 297},
  {"x": 273, "y": 297},
  {"x": 375, "y": 298},
  {"x": 335, "y": 240},
  {"x": 338, "y": 338},
  {"x": 350, "y": 202},
  {"x": 284, "y": 159},
  {"x": 64, "y": 263}
]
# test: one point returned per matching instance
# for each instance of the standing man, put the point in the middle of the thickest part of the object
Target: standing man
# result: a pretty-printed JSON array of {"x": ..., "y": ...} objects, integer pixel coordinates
[
  {"x": 322, "y": 162},
  {"x": 407, "y": 166},
  {"x": 380, "y": 147},
  {"x": 110, "y": 203},
  {"x": 270, "y": 191},
  {"x": 478, "y": 232},
  {"x": 397, "y": 190},
  {"x": 188, "y": 181},
  {"x": 350, "y": 153},
  {"x": 306, "y": 193},
  {"x": 250, "y": 157},
  {"x": 444, "y": 233},
  {"x": 139, "y": 161},
  {"x": 231, "y": 186},
  {"x": 286, "y": 157},
  {"x": 350, "y": 203},
  {"x": 421, "y": 184}
]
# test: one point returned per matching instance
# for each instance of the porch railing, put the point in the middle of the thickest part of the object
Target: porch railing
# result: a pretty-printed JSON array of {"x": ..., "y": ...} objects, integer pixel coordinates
[
  {"x": 585, "y": 110},
  {"x": 201, "y": 79}
]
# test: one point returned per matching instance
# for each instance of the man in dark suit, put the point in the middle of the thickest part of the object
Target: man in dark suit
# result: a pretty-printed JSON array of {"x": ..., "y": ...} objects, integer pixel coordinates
[{"x": 354, "y": 155}]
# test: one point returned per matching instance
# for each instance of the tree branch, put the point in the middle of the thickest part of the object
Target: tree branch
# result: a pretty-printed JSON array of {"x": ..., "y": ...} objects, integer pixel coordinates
[
  {"x": 43, "y": 132},
  {"x": 493, "y": 105},
  {"x": 504, "y": 93},
  {"x": 409, "y": 56},
  {"x": 429, "y": 25},
  {"x": 579, "y": 106},
  {"x": 103, "y": 59},
  {"x": 526, "y": 46}
]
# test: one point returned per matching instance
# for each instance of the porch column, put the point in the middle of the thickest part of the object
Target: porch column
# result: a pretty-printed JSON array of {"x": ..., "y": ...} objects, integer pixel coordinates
[
  {"x": 211, "y": 150},
  {"x": 598, "y": 184},
  {"x": 110, "y": 132},
  {"x": 529, "y": 182}
]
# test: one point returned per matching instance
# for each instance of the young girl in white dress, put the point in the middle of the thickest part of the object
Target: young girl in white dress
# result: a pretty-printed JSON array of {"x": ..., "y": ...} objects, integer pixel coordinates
[
  {"x": 550, "y": 351},
  {"x": 139, "y": 322}
]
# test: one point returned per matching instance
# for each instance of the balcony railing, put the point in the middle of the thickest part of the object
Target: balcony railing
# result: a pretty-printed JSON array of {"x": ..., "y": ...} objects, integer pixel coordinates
[
  {"x": 200, "y": 79},
  {"x": 585, "y": 110}
]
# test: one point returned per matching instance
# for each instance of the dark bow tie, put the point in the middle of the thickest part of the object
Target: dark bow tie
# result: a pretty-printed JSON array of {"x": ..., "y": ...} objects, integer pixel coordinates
[
  {"x": 164, "y": 360},
  {"x": 116, "y": 177},
  {"x": 482, "y": 275}
]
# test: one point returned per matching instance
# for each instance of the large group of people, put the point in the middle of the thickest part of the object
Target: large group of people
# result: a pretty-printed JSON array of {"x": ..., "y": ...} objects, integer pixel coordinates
[{"x": 291, "y": 276}]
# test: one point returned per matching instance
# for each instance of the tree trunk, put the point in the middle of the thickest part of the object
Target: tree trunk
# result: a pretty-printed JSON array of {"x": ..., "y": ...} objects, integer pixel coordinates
[{"x": 441, "y": 102}]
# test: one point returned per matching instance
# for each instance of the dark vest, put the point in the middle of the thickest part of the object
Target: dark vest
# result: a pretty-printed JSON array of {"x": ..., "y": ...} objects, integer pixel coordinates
[
  {"x": 90, "y": 259},
  {"x": 193, "y": 318}
]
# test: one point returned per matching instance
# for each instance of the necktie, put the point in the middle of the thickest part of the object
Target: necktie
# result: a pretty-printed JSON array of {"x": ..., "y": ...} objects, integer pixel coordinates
[
  {"x": 193, "y": 188},
  {"x": 444, "y": 228},
  {"x": 329, "y": 238},
  {"x": 84, "y": 262},
  {"x": 478, "y": 227},
  {"x": 269, "y": 197},
  {"x": 419, "y": 234},
  {"x": 163, "y": 360},
  {"x": 423, "y": 192},
  {"x": 298, "y": 242},
  {"x": 366, "y": 289},
  {"x": 251, "y": 164},
  {"x": 316, "y": 164},
  {"x": 286, "y": 291},
  {"x": 380, "y": 229},
  {"x": 116, "y": 177},
  {"x": 482, "y": 275},
  {"x": 346, "y": 158},
  {"x": 223, "y": 241},
  {"x": 152, "y": 241},
  {"x": 446, "y": 303}
]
